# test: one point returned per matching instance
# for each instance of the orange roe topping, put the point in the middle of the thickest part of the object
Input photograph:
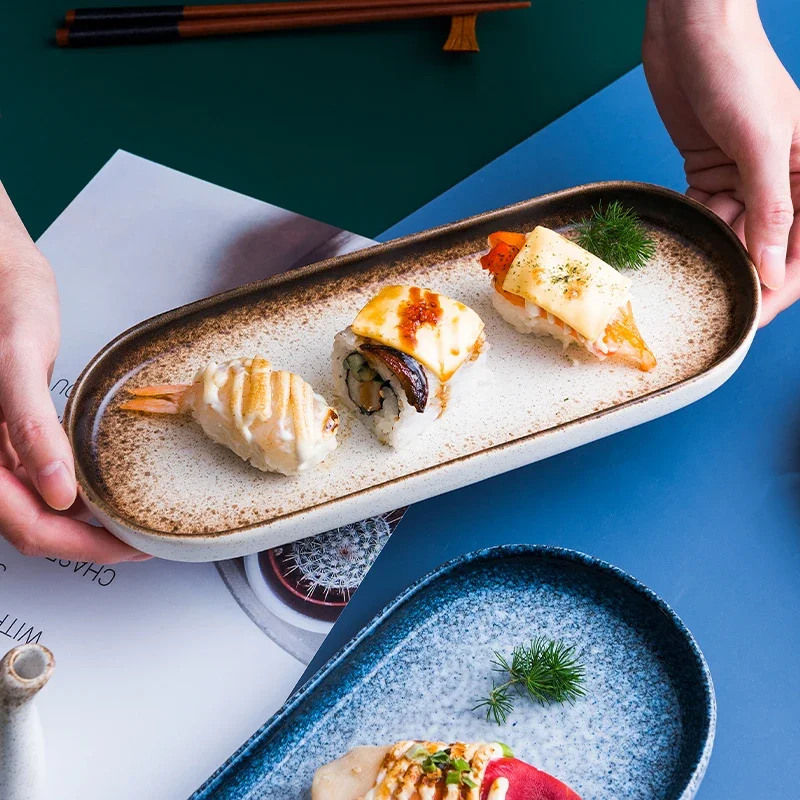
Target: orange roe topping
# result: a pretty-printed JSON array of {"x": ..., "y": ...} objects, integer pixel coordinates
[{"x": 417, "y": 311}]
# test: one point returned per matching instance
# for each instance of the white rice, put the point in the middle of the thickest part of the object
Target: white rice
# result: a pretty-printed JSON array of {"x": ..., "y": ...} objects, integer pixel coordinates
[
  {"x": 399, "y": 424},
  {"x": 526, "y": 319}
]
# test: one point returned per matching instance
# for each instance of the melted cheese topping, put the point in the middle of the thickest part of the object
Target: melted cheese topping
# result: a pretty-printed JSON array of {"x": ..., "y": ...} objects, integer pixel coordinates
[
  {"x": 402, "y": 777},
  {"x": 568, "y": 282},
  {"x": 437, "y": 331}
]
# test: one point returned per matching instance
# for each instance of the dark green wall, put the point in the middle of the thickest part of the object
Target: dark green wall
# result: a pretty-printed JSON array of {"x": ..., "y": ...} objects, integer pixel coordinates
[{"x": 357, "y": 126}]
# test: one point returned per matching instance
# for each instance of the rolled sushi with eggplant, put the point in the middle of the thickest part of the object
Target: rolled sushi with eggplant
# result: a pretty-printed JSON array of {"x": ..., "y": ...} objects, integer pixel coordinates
[{"x": 410, "y": 356}]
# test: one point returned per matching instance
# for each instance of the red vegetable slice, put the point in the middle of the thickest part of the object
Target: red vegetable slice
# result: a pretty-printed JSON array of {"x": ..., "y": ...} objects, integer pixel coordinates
[
  {"x": 514, "y": 239},
  {"x": 497, "y": 262},
  {"x": 525, "y": 782},
  {"x": 499, "y": 258}
]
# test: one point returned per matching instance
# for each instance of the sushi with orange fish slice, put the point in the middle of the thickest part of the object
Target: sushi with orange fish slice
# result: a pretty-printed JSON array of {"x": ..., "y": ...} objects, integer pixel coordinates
[
  {"x": 544, "y": 283},
  {"x": 270, "y": 418}
]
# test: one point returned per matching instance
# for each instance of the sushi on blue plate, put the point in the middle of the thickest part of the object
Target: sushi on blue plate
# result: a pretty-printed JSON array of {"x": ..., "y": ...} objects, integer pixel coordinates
[{"x": 419, "y": 770}]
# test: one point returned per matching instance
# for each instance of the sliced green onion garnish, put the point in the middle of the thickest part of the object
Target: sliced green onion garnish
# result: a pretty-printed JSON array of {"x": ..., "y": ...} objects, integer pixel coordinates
[
  {"x": 465, "y": 779},
  {"x": 435, "y": 760},
  {"x": 507, "y": 751},
  {"x": 460, "y": 765},
  {"x": 417, "y": 751},
  {"x": 453, "y": 777}
]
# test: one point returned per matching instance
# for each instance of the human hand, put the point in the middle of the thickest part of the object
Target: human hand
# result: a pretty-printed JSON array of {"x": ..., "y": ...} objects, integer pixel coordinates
[
  {"x": 37, "y": 475},
  {"x": 733, "y": 112}
]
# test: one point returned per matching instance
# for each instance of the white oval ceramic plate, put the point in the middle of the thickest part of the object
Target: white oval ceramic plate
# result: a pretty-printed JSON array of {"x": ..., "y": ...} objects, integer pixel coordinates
[{"x": 161, "y": 485}]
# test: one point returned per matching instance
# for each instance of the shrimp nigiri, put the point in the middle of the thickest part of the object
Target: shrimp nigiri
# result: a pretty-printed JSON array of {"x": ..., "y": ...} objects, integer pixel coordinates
[
  {"x": 271, "y": 418},
  {"x": 544, "y": 283}
]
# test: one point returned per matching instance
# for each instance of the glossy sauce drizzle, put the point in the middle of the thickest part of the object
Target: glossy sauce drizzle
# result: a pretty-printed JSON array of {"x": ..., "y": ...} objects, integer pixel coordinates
[{"x": 417, "y": 311}]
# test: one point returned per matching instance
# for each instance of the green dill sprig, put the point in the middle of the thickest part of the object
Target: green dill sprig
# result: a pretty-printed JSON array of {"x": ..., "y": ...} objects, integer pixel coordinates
[
  {"x": 616, "y": 234},
  {"x": 545, "y": 671}
]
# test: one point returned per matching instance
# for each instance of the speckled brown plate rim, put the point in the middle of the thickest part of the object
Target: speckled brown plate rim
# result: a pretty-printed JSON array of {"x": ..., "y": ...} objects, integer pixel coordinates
[{"x": 752, "y": 290}]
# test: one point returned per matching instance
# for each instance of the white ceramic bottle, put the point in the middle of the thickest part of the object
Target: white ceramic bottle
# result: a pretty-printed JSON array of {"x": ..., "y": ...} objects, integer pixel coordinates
[{"x": 23, "y": 672}]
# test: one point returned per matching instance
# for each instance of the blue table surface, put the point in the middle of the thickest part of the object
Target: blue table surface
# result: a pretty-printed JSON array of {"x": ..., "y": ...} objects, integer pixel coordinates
[{"x": 704, "y": 504}]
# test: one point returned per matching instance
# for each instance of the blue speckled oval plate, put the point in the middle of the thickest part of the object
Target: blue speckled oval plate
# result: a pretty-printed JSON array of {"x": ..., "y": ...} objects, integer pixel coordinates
[{"x": 643, "y": 732}]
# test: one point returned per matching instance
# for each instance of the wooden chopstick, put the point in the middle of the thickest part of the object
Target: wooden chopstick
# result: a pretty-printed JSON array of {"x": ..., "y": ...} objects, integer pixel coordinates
[
  {"x": 141, "y": 32},
  {"x": 175, "y": 13}
]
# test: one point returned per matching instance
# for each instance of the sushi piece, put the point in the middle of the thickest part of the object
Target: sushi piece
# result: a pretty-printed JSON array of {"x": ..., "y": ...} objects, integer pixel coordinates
[
  {"x": 544, "y": 283},
  {"x": 271, "y": 418},
  {"x": 417, "y": 770},
  {"x": 409, "y": 356}
]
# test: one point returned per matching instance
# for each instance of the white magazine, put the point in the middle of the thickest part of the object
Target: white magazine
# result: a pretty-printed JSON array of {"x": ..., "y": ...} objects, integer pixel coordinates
[{"x": 159, "y": 673}]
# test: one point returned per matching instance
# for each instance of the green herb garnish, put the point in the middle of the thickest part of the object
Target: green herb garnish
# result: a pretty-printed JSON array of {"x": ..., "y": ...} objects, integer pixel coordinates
[
  {"x": 572, "y": 276},
  {"x": 546, "y": 671},
  {"x": 437, "y": 760},
  {"x": 616, "y": 234},
  {"x": 455, "y": 770},
  {"x": 417, "y": 751},
  {"x": 453, "y": 777}
]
